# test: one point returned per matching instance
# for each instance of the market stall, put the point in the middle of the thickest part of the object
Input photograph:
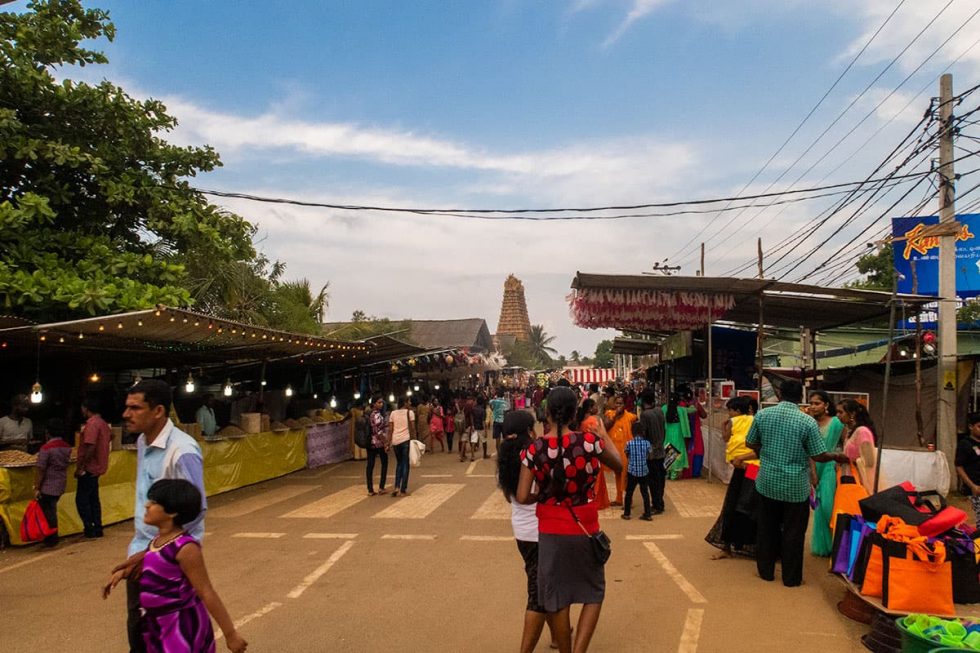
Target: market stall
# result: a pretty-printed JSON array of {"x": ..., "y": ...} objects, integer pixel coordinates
[{"x": 328, "y": 443}]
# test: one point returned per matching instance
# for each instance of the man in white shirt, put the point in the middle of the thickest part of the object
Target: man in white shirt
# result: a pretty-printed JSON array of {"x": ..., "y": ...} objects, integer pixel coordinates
[
  {"x": 205, "y": 417},
  {"x": 16, "y": 429}
]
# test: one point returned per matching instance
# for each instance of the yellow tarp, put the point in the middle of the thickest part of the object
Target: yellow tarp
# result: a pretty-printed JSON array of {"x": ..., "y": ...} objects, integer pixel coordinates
[{"x": 228, "y": 465}]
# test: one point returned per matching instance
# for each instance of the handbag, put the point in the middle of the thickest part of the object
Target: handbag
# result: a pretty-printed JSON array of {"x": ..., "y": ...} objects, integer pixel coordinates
[
  {"x": 892, "y": 539},
  {"x": 903, "y": 501},
  {"x": 362, "y": 433},
  {"x": 922, "y": 582},
  {"x": 840, "y": 552},
  {"x": 961, "y": 551},
  {"x": 945, "y": 520},
  {"x": 846, "y": 497},
  {"x": 34, "y": 527},
  {"x": 600, "y": 542}
]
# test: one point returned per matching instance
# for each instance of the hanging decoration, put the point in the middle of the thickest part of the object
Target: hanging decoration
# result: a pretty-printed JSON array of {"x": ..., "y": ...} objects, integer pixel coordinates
[{"x": 654, "y": 310}]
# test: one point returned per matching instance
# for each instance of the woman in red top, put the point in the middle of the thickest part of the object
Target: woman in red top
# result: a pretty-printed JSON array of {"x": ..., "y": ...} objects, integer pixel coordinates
[{"x": 559, "y": 474}]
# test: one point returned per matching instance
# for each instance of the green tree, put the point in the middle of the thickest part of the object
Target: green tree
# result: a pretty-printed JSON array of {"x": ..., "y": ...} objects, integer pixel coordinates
[
  {"x": 363, "y": 326},
  {"x": 603, "y": 354},
  {"x": 96, "y": 214},
  {"x": 295, "y": 307},
  {"x": 539, "y": 344},
  {"x": 878, "y": 268},
  {"x": 575, "y": 357}
]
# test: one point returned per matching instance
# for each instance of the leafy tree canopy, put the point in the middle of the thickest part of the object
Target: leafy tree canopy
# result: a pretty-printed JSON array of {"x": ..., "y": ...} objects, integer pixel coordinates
[
  {"x": 878, "y": 268},
  {"x": 363, "y": 326},
  {"x": 603, "y": 354},
  {"x": 96, "y": 214}
]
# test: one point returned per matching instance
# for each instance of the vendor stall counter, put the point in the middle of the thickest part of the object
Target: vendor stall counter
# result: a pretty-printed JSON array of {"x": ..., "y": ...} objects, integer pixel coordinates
[{"x": 228, "y": 464}]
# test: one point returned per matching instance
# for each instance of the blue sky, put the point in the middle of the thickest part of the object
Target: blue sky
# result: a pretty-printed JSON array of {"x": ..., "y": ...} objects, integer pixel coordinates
[{"x": 518, "y": 104}]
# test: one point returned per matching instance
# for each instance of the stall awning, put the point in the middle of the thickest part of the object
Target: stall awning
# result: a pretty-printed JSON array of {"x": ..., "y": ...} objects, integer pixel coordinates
[{"x": 665, "y": 303}]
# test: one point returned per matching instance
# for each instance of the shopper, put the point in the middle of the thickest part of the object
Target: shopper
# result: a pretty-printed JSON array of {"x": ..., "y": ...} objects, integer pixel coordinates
[
  {"x": 619, "y": 425},
  {"x": 401, "y": 429},
  {"x": 499, "y": 405},
  {"x": 968, "y": 463},
  {"x": 437, "y": 426},
  {"x": 824, "y": 474},
  {"x": 638, "y": 472},
  {"x": 587, "y": 420},
  {"x": 380, "y": 443},
  {"x": 568, "y": 571},
  {"x": 735, "y": 529},
  {"x": 176, "y": 596},
  {"x": 859, "y": 441},
  {"x": 652, "y": 419},
  {"x": 162, "y": 452},
  {"x": 785, "y": 438},
  {"x": 93, "y": 462},
  {"x": 51, "y": 474}
]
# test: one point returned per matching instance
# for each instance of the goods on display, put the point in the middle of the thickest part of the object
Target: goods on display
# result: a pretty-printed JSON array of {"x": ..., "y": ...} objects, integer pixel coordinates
[
  {"x": 14, "y": 458},
  {"x": 231, "y": 431}
]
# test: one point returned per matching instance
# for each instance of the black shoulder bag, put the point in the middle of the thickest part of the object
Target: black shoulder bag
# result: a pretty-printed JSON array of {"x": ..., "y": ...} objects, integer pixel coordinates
[{"x": 601, "y": 544}]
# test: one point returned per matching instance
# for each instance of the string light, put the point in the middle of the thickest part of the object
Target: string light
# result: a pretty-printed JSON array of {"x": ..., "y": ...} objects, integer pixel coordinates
[
  {"x": 227, "y": 389},
  {"x": 333, "y": 402},
  {"x": 36, "y": 395},
  {"x": 436, "y": 386},
  {"x": 289, "y": 391},
  {"x": 189, "y": 386},
  {"x": 95, "y": 378},
  {"x": 391, "y": 397},
  {"x": 357, "y": 395}
]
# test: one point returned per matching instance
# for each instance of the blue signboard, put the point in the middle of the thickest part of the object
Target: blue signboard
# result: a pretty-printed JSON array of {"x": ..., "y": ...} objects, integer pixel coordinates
[{"x": 924, "y": 250}]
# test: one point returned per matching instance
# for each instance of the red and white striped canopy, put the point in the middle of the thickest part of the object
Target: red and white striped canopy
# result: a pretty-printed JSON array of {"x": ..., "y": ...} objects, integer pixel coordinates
[{"x": 589, "y": 374}]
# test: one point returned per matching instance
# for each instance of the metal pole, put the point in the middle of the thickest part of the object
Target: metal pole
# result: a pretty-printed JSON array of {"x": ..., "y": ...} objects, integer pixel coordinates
[
  {"x": 946, "y": 376},
  {"x": 888, "y": 378},
  {"x": 711, "y": 406}
]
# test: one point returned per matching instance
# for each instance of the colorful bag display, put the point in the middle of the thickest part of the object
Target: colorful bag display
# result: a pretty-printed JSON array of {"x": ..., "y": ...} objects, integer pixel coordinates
[
  {"x": 921, "y": 582},
  {"x": 945, "y": 520},
  {"x": 840, "y": 552},
  {"x": 961, "y": 551},
  {"x": 846, "y": 497},
  {"x": 891, "y": 538},
  {"x": 34, "y": 526},
  {"x": 904, "y": 502}
]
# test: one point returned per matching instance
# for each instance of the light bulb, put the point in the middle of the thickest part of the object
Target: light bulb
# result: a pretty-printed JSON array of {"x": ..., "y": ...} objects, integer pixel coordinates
[
  {"x": 357, "y": 395},
  {"x": 189, "y": 386},
  {"x": 36, "y": 395},
  {"x": 436, "y": 386},
  {"x": 289, "y": 391},
  {"x": 316, "y": 395},
  {"x": 262, "y": 383},
  {"x": 408, "y": 393},
  {"x": 333, "y": 402},
  {"x": 416, "y": 388},
  {"x": 227, "y": 389},
  {"x": 391, "y": 397},
  {"x": 95, "y": 378}
]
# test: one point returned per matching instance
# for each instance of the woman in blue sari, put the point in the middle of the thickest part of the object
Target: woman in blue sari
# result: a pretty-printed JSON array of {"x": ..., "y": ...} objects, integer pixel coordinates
[{"x": 824, "y": 475}]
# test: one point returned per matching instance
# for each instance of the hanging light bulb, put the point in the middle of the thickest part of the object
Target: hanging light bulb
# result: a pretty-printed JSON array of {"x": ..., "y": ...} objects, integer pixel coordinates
[
  {"x": 262, "y": 382},
  {"x": 289, "y": 391},
  {"x": 95, "y": 378},
  {"x": 227, "y": 389},
  {"x": 333, "y": 402},
  {"x": 408, "y": 393},
  {"x": 316, "y": 395},
  {"x": 391, "y": 397},
  {"x": 36, "y": 395},
  {"x": 189, "y": 386},
  {"x": 357, "y": 395},
  {"x": 416, "y": 388},
  {"x": 436, "y": 386}
]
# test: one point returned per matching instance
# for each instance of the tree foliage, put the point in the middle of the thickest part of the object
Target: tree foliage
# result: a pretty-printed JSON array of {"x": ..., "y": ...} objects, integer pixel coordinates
[
  {"x": 878, "y": 268},
  {"x": 363, "y": 326},
  {"x": 539, "y": 344},
  {"x": 96, "y": 214},
  {"x": 603, "y": 354}
]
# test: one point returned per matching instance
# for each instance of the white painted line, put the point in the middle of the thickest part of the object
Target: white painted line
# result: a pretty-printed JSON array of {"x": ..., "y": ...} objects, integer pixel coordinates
[
  {"x": 435, "y": 475},
  {"x": 676, "y": 576},
  {"x": 662, "y": 536},
  {"x": 692, "y": 631},
  {"x": 322, "y": 569},
  {"x": 261, "y": 612},
  {"x": 330, "y": 536},
  {"x": 331, "y": 504},
  {"x": 408, "y": 537},
  {"x": 260, "y": 536},
  {"x": 486, "y": 538},
  {"x": 35, "y": 558},
  {"x": 482, "y": 475},
  {"x": 495, "y": 507},
  {"x": 420, "y": 503},
  {"x": 470, "y": 468},
  {"x": 693, "y": 500},
  {"x": 259, "y": 501},
  {"x": 352, "y": 476}
]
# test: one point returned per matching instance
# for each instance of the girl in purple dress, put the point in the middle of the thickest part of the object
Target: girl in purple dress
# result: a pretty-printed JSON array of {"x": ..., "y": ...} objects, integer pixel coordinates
[{"x": 175, "y": 591}]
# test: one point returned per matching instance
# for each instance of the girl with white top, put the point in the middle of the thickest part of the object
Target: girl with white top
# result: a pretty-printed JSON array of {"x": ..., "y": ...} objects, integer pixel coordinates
[{"x": 401, "y": 428}]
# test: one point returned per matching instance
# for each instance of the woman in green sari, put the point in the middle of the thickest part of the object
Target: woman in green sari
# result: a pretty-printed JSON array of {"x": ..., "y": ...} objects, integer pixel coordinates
[
  {"x": 824, "y": 474},
  {"x": 677, "y": 432}
]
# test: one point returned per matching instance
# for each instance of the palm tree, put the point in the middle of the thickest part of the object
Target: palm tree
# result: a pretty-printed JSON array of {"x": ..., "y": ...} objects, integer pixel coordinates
[
  {"x": 539, "y": 343},
  {"x": 575, "y": 357}
]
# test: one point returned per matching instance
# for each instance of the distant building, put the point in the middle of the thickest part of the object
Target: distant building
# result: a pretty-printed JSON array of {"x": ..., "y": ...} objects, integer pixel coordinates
[{"x": 513, "y": 312}]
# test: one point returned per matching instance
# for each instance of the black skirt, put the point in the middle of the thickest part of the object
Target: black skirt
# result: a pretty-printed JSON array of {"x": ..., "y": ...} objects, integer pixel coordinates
[
  {"x": 568, "y": 572},
  {"x": 735, "y": 526}
]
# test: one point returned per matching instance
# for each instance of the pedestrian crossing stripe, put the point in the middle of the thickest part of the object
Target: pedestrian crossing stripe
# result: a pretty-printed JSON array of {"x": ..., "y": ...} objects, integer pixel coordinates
[
  {"x": 486, "y": 538},
  {"x": 420, "y": 503},
  {"x": 329, "y": 505},
  {"x": 330, "y": 536},
  {"x": 259, "y": 501},
  {"x": 260, "y": 536},
  {"x": 408, "y": 537},
  {"x": 495, "y": 507}
]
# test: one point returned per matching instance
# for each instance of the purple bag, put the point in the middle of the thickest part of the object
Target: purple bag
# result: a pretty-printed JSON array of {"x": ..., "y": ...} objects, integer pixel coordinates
[
  {"x": 840, "y": 555},
  {"x": 860, "y": 530}
]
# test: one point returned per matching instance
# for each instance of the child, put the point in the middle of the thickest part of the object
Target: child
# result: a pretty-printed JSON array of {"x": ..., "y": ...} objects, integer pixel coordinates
[
  {"x": 175, "y": 591},
  {"x": 51, "y": 474},
  {"x": 638, "y": 471}
]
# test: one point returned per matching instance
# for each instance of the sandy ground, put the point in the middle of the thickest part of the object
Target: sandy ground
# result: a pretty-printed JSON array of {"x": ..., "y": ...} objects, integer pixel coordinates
[{"x": 308, "y": 562}]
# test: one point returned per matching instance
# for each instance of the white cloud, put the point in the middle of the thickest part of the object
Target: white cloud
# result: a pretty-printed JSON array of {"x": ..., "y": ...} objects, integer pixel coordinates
[{"x": 639, "y": 10}]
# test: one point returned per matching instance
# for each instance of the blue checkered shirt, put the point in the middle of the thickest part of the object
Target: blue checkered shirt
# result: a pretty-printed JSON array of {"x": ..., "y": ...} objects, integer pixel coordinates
[{"x": 637, "y": 450}]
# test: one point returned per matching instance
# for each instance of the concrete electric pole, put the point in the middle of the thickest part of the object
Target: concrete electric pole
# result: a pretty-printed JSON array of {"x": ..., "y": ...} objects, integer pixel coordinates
[{"x": 946, "y": 374}]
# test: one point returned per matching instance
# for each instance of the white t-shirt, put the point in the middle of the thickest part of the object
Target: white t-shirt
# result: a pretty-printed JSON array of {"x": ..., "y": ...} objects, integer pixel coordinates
[
  {"x": 524, "y": 521},
  {"x": 399, "y": 420}
]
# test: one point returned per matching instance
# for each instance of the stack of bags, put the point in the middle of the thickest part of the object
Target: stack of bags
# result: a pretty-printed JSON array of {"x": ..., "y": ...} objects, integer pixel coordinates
[{"x": 907, "y": 548}]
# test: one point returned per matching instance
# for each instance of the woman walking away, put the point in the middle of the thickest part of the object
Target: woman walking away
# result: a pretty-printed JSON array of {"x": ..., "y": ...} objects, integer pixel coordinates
[
  {"x": 587, "y": 420},
  {"x": 176, "y": 595},
  {"x": 562, "y": 464},
  {"x": 677, "y": 429},
  {"x": 859, "y": 445},
  {"x": 518, "y": 427},
  {"x": 401, "y": 429},
  {"x": 824, "y": 474},
  {"x": 437, "y": 426},
  {"x": 734, "y": 531}
]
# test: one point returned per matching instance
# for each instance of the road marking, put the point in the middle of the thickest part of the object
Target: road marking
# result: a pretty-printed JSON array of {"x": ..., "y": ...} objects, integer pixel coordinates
[
  {"x": 322, "y": 569},
  {"x": 261, "y": 612},
  {"x": 351, "y": 476},
  {"x": 663, "y": 536},
  {"x": 420, "y": 503},
  {"x": 693, "y": 500},
  {"x": 482, "y": 475},
  {"x": 330, "y": 536},
  {"x": 676, "y": 576},
  {"x": 259, "y": 501},
  {"x": 330, "y": 505},
  {"x": 486, "y": 538},
  {"x": 408, "y": 537},
  {"x": 35, "y": 558},
  {"x": 260, "y": 536},
  {"x": 470, "y": 468},
  {"x": 495, "y": 507},
  {"x": 692, "y": 631},
  {"x": 436, "y": 475}
]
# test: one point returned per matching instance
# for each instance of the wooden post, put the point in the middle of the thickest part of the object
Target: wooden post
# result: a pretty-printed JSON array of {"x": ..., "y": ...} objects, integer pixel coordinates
[{"x": 702, "y": 259}]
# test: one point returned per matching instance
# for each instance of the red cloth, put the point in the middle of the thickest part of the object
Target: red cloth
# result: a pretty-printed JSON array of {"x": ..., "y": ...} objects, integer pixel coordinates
[
  {"x": 96, "y": 435},
  {"x": 557, "y": 520}
]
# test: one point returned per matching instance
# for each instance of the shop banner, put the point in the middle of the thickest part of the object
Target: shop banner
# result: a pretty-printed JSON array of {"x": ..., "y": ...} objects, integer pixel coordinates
[{"x": 910, "y": 246}]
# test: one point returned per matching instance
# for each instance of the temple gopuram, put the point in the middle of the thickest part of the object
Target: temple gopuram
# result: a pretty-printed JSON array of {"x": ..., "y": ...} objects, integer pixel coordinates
[{"x": 513, "y": 311}]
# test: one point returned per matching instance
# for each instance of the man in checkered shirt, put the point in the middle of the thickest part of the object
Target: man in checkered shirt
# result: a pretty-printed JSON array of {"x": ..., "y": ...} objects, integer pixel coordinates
[
  {"x": 638, "y": 471},
  {"x": 786, "y": 439}
]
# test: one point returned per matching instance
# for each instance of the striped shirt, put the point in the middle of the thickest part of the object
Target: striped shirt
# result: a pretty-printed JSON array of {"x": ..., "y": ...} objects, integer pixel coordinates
[{"x": 637, "y": 450}]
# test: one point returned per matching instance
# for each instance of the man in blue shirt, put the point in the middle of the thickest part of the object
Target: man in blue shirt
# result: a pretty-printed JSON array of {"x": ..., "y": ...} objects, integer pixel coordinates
[
  {"x": 499, "y": 405},
  {"x": 638, "y": 471},
  {"x": 162, "y": 451}
]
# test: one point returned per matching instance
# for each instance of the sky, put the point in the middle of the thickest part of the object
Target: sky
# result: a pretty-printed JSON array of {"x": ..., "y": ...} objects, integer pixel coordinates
[{"x": 517, "y": 104}]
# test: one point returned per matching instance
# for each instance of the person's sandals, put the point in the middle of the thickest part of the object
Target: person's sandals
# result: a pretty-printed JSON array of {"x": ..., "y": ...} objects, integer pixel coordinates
[
  {"x": 625, "y": 516},
  {"x": 372, "y": 493},
  {"x": 395, "y": 493},
  {"x": 382, "y": 491},
  {"x": 646, "y": 517}
]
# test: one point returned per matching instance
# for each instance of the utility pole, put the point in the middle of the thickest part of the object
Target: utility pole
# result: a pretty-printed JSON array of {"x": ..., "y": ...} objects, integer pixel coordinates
[
  {"x": 946, "y": 369},
  {"x": 702, "y": 259}
]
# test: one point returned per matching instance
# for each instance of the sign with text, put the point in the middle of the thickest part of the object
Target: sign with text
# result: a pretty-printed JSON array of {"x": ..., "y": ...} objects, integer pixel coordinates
[{"x": 911, "y": 245}]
